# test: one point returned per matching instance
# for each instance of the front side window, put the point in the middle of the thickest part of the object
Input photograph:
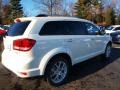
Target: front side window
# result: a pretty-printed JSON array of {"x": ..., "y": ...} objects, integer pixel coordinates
[
  {"x": 17, "y": 29},
  {"x": 77, "y": 28},
  {"x": 92, "y": 29}
]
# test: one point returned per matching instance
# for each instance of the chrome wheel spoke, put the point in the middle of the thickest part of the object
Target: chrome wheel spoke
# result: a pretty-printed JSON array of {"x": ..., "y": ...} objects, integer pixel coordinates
[
  {"x": 62, "y": 73},
  {"x": 58, "y": 71},
  {"x": 56, "y": 66},
  {"x": 57, "y": 77},
  {"x": 53, "y": 72},
  {"x": 63, "y": 67}
]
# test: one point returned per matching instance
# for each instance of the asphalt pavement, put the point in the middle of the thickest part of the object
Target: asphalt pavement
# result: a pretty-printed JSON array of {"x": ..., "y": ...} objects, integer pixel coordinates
[{"x": 93, "y": 74}]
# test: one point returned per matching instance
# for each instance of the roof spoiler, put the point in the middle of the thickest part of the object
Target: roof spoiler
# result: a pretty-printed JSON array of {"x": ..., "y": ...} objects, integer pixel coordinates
[{"x": 42, "y": 15}]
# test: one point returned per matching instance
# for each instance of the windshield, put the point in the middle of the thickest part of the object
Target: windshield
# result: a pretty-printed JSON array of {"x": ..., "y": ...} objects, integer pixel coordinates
[
  {"x": 17, "y": 29},
  {"x": 109, "y": 28}
]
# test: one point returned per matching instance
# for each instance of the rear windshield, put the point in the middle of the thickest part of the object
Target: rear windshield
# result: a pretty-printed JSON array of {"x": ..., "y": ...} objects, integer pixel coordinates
[{"x": 17, "y": 29}]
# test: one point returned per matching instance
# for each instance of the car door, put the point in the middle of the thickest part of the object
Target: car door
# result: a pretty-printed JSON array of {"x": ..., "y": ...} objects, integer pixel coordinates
[
  {"x": 76, "y": 41},
  {"x": 97, "y": 41}
]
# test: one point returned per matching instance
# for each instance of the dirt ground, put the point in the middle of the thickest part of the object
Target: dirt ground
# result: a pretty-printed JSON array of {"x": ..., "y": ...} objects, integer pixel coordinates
[{"x": 93, "y": 74}]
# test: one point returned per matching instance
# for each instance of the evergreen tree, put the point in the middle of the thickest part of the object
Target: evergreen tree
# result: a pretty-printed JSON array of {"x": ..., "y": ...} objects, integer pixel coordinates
[
  {"x": 110, "y": 16},
  {"x": 118, "y": 20},
  {"x": 99, "y": 18},
  {"x": 87, "y": 8},
  {"x": 6, "y": 14},
  {"x": 16, "y": 9},
  {"x": 81, "y": 9}
]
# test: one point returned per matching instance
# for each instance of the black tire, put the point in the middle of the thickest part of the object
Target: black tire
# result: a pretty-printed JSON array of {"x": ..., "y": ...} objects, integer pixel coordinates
[
  {"x": 51, "y": 70},
  {"x": 106, "y": 55}
]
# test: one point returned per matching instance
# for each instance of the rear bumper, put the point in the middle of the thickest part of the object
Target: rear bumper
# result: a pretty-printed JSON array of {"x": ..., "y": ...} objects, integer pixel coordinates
[
  {"x": 24, "y": 73},
  {"x": 19, "y": 67}
]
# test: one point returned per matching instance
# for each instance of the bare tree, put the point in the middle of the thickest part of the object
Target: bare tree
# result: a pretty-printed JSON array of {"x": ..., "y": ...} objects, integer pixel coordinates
[
  {"x": 51, "y": 7},
  {"x": 71, "y": 11}
]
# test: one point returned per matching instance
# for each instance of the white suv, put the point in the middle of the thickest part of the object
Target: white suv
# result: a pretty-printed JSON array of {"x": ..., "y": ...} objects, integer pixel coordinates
[{"x": 49, "y": 46}]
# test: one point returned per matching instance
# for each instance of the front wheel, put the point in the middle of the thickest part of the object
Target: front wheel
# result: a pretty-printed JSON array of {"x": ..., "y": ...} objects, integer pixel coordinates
[
  {"x": 107, "y": 53},
  {"x": 58, "y": 71}
]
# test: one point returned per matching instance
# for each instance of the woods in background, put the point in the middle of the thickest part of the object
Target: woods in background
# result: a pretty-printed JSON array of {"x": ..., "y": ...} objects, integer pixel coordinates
[
  {"x": 10, "y": 11},
  {"x": 99, "y": 11}
]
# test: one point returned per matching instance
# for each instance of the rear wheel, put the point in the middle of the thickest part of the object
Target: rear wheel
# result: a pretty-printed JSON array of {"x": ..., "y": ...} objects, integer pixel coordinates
[{"x": 58, "y": 71}]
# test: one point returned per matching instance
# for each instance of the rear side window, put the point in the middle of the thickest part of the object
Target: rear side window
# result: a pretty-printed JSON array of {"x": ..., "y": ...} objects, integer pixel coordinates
[
  {"x": 54, "y": 28},
  {"x": 63, "y": 28},
  {"x": 17, "y": 29}
]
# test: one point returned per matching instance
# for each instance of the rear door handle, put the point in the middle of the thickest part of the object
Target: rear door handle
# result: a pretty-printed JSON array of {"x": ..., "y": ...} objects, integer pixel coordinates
[
  {"x": 92, "y": 39},
  {"x": 69, "y": 40}
]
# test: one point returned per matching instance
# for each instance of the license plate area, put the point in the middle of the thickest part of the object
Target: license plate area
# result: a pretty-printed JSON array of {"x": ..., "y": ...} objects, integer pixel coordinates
[{"x": 7, "y": 44}]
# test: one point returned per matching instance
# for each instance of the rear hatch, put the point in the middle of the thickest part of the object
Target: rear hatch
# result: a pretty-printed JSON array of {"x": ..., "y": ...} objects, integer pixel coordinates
[{"x": 16, "y": 31}]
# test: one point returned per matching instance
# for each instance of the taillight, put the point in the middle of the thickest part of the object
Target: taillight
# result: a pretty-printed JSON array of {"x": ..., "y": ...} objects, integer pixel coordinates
[
  {"x": 17, "y": 20},
  {"x": 23, "y": 44}
]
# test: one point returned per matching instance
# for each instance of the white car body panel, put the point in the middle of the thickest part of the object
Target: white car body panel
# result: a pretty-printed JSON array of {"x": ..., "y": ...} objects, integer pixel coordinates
[
  {"x": 34, "y": 62},
  {"x": 109, "y": 31}
]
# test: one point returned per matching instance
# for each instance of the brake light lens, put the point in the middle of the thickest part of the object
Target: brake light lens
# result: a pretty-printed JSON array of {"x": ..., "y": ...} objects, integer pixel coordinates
[
  {"x": 23, "y": 44},
  {"x": 17, "y": 20},
  {"x": 2, "y": 32}
]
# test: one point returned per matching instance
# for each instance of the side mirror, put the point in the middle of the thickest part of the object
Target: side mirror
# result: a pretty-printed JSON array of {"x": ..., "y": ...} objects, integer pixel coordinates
[
  {"x": 102, "y": 31},
  {"x": 2, "y": 32}
]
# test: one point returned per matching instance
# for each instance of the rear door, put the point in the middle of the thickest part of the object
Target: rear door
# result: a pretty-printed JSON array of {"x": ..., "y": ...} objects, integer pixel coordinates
[{"x": 77, "y": 40}]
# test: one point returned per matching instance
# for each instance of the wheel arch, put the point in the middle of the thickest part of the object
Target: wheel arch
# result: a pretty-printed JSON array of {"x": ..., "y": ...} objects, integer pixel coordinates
[
  {"x": 109, "y": 43},
  {"x": 49, "y": 56}
]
